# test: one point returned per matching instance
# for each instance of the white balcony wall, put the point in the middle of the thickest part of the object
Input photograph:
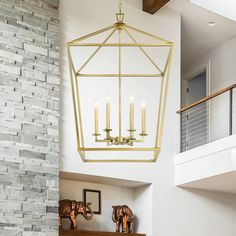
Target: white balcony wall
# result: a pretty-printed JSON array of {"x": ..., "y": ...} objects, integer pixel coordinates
[{"x": 198, "y": 167}]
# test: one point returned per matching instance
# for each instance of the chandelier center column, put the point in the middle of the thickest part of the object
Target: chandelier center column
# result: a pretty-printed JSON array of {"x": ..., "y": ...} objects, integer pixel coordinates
[{"x": 120, "y": 87}]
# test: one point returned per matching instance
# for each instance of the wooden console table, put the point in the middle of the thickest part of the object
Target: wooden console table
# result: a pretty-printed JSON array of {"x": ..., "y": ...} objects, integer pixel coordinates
[{"x": 94, "y": 233}]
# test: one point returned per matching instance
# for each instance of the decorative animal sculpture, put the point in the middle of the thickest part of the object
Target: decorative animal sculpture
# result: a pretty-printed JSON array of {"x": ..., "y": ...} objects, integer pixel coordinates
[
  {"x": 124, "y": 218},
  {"x": 70, "y": 209}
]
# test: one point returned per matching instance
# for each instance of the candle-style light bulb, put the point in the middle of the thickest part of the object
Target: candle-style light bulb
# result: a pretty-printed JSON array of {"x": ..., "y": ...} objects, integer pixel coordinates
[
  {"x": 108, "y": 126},
  {"x": 96, "y": 118},
  {"x": 131, "y": 113},
  {"x": 96, "y": 104},
  {"x": 143, "y": 112},
  {"x": 143, "y": 105}
]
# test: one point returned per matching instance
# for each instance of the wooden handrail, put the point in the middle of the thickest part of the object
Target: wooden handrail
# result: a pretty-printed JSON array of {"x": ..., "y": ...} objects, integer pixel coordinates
[{"x": 206, "y": 98}]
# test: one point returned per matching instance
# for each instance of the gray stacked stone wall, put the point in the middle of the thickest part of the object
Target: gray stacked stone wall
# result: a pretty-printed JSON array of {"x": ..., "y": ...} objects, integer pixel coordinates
[{"x": 29, "y": 117}]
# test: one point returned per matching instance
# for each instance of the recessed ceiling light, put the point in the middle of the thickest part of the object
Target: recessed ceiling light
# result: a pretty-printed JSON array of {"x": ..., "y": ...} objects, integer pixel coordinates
[{"x": 211, "y": 23}]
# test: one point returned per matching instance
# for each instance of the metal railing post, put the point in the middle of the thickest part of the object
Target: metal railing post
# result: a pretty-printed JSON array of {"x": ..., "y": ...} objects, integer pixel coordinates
[{"x": 230, "y": 111}]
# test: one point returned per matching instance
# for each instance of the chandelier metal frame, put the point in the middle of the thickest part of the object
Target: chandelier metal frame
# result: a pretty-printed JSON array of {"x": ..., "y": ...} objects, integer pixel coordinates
[{"x": 75, "y": 76}]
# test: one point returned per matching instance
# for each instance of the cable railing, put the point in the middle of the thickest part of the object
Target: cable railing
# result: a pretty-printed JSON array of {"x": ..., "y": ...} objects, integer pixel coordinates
[{"x": 209, "y": 119}]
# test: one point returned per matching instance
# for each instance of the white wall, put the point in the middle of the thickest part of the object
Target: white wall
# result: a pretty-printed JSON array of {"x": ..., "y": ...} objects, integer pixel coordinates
[
  {"x": 222, "y": 65},
  {"x": 175, "y": 211},
  {"x": 139, "y": 199},
  {"x": 143, "y": 208},
  {"x": 222, "y": 73},
  {"x": 110, "y": 196}
]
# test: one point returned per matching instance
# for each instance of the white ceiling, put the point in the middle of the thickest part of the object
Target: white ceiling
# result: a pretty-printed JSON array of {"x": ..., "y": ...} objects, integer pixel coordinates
[
  {"x": 224, "y": 8},
  {"x": 197, "y": 36}
]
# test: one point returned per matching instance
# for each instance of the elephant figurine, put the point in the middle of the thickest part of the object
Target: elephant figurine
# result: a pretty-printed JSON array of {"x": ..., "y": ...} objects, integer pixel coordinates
[
  {"x": 71, "y": 208},
  {"x": 124, "y": 218}
]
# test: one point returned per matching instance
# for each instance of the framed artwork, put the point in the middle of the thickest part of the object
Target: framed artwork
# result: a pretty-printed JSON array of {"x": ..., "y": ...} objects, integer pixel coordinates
[{"x": 93, "y": 196}]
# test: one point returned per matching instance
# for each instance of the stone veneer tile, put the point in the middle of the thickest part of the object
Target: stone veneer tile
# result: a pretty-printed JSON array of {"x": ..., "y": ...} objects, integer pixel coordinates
[{"x": 29, "y": 114}]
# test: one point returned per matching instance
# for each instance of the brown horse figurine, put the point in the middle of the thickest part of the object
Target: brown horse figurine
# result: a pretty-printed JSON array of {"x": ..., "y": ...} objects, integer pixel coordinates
[{"x": 71, "y": 208}]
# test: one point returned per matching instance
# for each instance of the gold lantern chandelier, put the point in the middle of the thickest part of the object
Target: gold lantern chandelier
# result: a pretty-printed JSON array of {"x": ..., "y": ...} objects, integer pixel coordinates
[{"x": 119, "y": 142}]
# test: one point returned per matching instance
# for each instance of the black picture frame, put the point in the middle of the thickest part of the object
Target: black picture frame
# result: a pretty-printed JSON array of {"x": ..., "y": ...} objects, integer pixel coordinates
[{"x": 96, "y": 205}]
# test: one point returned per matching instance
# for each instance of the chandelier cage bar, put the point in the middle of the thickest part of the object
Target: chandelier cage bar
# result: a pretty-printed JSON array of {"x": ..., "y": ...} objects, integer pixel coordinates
[{"x": 125, "y": 143}]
